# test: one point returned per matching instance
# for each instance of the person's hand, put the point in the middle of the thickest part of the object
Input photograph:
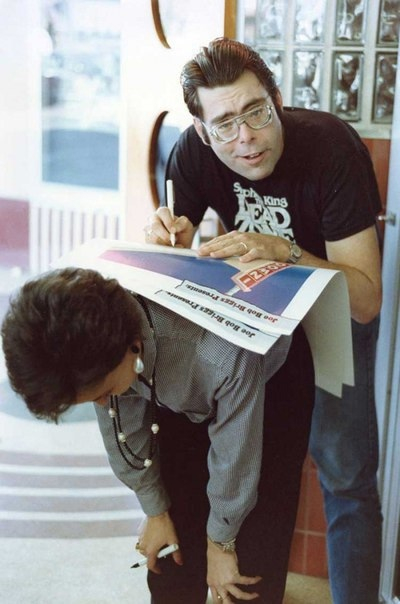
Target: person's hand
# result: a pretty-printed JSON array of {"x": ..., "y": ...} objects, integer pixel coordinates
[
  {"x": 248, "y": 246},
  {"x": 224, "y": 578},
  {"x": 161, "y": 225},
  {"x": 157, "y": 532}
]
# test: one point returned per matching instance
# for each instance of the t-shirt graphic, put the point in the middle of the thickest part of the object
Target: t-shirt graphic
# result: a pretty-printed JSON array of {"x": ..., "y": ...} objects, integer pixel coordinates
[{"x": 262, "y": 213}]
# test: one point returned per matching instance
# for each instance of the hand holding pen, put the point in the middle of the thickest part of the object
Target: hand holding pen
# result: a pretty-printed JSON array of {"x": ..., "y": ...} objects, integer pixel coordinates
[
  {"x": 158, "y": 229},
  {"x": 165, "y": 551}
]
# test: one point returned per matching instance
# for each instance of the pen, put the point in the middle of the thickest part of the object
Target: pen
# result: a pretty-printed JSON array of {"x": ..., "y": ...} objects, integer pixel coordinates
[
  {"x": 161, "y": 554},
  {"x": 170, "y": 206}
]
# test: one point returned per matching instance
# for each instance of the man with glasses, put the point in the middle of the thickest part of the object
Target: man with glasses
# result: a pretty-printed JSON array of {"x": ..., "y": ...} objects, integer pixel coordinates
[{"x": 296, "y": 186}]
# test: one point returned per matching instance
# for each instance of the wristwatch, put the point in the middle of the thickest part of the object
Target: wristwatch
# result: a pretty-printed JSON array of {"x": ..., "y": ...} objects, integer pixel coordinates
[
  {"x": 295, "y": 253},
  {"x": 225, "y": 546}
]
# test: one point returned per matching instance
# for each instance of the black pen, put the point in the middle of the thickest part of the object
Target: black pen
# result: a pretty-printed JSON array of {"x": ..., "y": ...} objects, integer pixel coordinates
[{"x": 161, "y": 554}]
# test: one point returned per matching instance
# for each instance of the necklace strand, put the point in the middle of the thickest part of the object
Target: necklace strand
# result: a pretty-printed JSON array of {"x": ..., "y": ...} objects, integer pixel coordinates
[{"x": 113, "y": 412}]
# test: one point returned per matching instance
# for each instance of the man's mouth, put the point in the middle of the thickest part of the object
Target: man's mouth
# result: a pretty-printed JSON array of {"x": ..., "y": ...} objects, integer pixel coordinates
[{"x": 252, "y": 157}]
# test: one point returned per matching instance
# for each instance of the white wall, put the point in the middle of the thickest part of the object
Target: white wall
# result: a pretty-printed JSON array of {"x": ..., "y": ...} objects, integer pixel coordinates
[{"x": 16, "y": 32}]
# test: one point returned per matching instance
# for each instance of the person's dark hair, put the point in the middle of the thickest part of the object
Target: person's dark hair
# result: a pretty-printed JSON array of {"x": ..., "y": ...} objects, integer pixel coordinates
[
  {"x": 221, "y": 63},
  {"x": 65, "y": 331}
]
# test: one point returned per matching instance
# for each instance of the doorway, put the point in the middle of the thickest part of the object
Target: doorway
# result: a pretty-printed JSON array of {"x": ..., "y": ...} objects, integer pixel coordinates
[{"x": 388, "y": 376}]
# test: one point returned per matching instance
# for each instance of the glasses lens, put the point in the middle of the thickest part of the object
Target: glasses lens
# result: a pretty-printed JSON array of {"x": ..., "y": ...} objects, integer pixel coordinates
[
  {"x": 259, "y": 117},
  {"x": 256, "y": 118},
  {"x": 227, "y": 131}
]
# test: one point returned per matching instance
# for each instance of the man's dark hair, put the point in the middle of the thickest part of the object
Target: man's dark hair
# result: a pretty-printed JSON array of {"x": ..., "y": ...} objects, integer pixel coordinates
[
  {"x": 65, "y": 331},
  {"x": 221, "y": 63}
]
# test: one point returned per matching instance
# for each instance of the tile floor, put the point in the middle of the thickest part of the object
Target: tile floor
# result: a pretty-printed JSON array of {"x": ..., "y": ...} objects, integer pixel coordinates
[
  {"x": 303, "y": 589},
  {"x": 308, "y": 554}
]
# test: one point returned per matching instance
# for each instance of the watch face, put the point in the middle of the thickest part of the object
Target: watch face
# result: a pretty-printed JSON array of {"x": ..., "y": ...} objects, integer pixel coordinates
[{"x": 296, "y": 251}]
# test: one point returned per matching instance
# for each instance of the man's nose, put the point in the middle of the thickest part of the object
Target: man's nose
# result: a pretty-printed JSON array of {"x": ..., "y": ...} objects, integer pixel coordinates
[{"x": 245, "y": 132}]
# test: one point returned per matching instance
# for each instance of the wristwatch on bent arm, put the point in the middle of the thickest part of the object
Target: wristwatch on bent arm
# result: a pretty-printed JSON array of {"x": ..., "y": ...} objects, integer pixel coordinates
[
  {"x": 295, "y": 253},
  {"x": 225, "y": 546}
]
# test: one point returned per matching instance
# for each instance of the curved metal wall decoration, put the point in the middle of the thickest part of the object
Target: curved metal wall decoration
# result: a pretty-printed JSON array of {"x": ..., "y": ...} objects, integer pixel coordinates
[
  {"x": 155, "y": 9},
  {"x": 153, "y": 158}
]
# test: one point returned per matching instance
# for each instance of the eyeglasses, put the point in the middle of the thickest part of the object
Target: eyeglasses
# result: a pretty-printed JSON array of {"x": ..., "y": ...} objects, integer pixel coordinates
[{"x": 227, "y": 131}]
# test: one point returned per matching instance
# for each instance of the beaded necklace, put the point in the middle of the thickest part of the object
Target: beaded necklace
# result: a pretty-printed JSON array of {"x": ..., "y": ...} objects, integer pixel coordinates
[{"x": 113, "y": 412}]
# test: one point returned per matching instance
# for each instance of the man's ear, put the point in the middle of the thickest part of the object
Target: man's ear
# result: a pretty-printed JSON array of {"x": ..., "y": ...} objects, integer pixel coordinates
[{"x": 201, "y": 131}]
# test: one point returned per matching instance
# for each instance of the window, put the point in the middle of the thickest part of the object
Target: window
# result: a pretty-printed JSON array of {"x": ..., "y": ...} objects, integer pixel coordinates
[
  {"x": 338, "y": 56},
  {"x": 80, "y": 66}
]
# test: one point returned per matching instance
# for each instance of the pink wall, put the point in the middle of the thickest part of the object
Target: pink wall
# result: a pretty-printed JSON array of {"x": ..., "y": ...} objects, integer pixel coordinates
[{"x": 14, "y": 233}]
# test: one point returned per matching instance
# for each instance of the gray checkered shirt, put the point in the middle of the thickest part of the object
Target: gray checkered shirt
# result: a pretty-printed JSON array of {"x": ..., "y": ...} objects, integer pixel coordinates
[{"x": 205, "y": 377}]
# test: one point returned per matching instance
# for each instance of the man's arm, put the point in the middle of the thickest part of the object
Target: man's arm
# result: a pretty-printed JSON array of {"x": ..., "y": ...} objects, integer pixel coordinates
[
  {"x": 357, "y": 256},
  {"x": 186, "y": 169}
]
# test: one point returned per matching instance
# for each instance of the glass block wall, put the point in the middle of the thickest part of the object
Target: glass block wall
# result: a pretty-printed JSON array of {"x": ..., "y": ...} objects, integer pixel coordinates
[{"x": 338, "y": 56}]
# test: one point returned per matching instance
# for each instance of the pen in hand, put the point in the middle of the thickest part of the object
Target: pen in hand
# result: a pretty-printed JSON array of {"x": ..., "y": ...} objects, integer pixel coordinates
[
  {"x": 170, "y": 549},
  {"x": 170, "y": 206}
]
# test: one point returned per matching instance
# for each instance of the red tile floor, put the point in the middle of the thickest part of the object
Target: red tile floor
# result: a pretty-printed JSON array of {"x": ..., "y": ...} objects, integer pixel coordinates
[{"x": 308, "y": 554}]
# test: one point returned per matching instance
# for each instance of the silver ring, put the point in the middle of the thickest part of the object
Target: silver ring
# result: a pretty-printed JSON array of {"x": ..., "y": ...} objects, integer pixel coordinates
[{"x": 246, "y": 249}]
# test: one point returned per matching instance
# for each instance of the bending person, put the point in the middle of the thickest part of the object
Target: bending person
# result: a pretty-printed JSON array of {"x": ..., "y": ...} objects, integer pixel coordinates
[{"x": 157, "y": 380}]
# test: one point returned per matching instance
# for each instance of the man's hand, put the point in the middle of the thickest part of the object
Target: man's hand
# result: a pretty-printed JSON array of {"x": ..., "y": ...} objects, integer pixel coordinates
[
  {"x": 162, "y": 225},
  {"x": 248, "y": 246},
  {"x": 158, "y": 531},
  {"x": 223, "y": 576}
]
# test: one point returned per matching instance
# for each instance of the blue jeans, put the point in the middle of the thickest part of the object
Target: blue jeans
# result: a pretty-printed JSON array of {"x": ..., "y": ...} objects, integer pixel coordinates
[{"x": 344, "y": 445}]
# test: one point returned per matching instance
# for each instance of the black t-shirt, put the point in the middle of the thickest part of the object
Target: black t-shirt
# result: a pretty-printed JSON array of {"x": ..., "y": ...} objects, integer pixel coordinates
[{"x": 323, "y": 187}]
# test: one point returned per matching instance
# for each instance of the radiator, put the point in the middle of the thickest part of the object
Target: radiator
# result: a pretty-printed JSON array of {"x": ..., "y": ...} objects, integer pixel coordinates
[{"x": 55, "y": 231}]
